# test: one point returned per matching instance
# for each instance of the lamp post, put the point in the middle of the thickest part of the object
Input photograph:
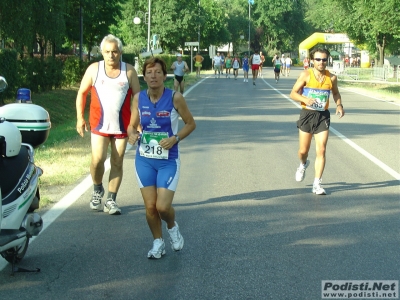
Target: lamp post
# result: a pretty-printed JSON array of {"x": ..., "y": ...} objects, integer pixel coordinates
[
  {"x": 137, "y": 20},
  {"x": 198, "y": 38},
  {"x": 250, "y": 3}
]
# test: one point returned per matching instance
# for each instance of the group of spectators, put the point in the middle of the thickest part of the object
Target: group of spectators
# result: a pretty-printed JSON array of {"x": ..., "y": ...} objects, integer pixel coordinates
[{"x": 352, "y": 62}]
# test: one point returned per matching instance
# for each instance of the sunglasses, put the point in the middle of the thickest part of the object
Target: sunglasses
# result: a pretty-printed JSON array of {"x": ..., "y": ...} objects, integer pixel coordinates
[{"x": 319, "y": 59}]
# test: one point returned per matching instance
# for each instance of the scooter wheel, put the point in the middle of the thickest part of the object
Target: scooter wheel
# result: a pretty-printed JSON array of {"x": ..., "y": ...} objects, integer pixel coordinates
[{"x": 16, "y": 254}]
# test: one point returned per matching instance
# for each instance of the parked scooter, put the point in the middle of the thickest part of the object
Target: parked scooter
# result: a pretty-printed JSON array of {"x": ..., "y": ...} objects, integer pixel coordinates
[{"x": 23, "y": 127}]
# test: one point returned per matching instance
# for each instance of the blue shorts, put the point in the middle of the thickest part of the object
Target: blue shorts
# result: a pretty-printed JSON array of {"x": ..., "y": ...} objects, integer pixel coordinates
[
  {"x": 246, "y": 68},
  {"x": 161, "y": 173}
]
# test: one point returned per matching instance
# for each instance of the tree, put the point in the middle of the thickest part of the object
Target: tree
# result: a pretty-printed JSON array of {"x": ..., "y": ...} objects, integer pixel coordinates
[
  {"x": 17, "y": 24},
  {"x": 49, "y": 24},
  {"x": 98, "y": 17},
  {"x": 214, "y": 31},
  {"x": 374, "y": 23},
  {"x": 237, "y": 22},
  {"x": 282, "y": 23},
  {"x": 35, "y": 24},
  {"x": 175, "y": 22}
]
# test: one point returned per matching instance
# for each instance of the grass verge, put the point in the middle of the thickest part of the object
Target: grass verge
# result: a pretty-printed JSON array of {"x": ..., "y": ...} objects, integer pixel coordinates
[{"x": 382, "y": 90}]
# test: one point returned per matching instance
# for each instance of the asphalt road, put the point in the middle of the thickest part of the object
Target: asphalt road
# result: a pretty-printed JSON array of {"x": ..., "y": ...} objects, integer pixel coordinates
[{"x": 251, "y": 231}]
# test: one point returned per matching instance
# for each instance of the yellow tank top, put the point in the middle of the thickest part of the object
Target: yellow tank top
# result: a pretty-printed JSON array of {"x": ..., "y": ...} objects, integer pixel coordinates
[
  {"x": 198, "y": 58},
  {"x": 318, "y": 90}
]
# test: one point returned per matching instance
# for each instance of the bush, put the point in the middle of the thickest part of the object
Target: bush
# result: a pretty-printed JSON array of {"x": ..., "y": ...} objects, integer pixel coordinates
[
  {"x": 41, "y": 75},
  {"x": 73, "y": 70},
  {"x": 9, "y": 70}
]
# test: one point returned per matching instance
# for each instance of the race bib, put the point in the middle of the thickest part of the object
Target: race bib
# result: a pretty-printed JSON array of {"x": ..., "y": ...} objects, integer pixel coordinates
[
  {"x": 149, "y": 145},
  {"x": 321, "y": 97}
]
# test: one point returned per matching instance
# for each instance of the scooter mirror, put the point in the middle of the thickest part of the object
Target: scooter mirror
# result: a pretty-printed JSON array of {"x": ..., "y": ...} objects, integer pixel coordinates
[{"x": 3, "y": 83}]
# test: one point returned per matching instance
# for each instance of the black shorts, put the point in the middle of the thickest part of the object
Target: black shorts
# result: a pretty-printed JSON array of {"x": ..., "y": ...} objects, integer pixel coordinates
[
  {"x": 313, "y": 121},
  {"x": 179, "y": 78}
]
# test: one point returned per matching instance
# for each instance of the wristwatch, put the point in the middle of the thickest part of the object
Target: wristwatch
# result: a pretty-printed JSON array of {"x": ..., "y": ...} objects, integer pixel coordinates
[
  {"x": 339, "y": 105},
  {"x": 178, "y": 139}
]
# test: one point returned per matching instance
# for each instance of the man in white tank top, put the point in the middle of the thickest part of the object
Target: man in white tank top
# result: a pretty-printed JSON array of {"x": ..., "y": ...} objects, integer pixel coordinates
[
  {"x": 180, "y": 68},
  {"x": 255, "y": 60},
  {"x": 112, "y": 84}
]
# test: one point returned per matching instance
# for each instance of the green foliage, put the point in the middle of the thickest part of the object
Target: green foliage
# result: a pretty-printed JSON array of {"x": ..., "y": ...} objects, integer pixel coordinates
[
  {"x": 41, "y": 75},
  {"x": 73, "y": 70},
  {"x": 176, "y": 22},
  {"x": 9, "y": 70},
  {"x": 129, "y": 58},
  {"x": 282, "y": 23},
  {"x": 207, "y": 62},
  {"x": 55, "y": 24},
  {"x": 374, "y": 23},
  {"x": 16, "y": 23}
]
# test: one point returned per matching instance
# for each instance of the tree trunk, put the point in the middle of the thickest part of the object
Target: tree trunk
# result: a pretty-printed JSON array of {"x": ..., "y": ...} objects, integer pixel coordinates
[{"x": 380, "y": 45}]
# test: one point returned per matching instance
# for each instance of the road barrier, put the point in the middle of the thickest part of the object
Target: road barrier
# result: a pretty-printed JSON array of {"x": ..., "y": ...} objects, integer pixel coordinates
[{"x": 387, "y": 74}]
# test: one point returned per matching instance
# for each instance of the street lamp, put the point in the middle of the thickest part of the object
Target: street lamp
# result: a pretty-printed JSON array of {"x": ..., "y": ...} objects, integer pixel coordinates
[
  {"x": 251, "y": 2},
  {"x": 137, "y": 20}
]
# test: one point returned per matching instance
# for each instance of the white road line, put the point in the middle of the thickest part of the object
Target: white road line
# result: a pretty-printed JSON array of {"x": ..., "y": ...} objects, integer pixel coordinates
[
  {"x": 372, "y": 158},
  {"x": 52, "y": 214}
]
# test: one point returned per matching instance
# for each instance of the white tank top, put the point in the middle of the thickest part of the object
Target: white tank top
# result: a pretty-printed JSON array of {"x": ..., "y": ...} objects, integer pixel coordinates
[
  {"x": 256, "y": 59},
  {"x": 235, "y": 63},
  {"x": 110, "y": 105},
  {"x": 179, "y": 68}
]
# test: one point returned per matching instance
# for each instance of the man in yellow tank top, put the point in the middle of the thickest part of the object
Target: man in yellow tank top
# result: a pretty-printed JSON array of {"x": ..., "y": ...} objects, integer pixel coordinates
[{"x": 312, "y": 89}]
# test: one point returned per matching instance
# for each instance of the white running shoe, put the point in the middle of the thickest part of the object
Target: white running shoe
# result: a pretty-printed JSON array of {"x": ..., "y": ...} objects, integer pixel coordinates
[
  {"x": 111, "y": 207},
  {"x": 158, "y": 249},
  {"x": 175, "y": 238},
  {"x": 95, "y": 203},
  {"x": 244, "y": 80},
  {"x": 318, "y": 189},
  {"x": 301, "y": 171}
]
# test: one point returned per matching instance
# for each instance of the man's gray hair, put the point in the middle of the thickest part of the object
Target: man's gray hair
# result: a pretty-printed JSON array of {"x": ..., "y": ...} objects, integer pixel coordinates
[{"x": 111, "y": 39}]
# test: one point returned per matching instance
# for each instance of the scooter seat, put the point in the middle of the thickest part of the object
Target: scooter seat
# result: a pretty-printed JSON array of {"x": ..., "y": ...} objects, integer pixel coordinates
[{"x": 12, "y": 169}]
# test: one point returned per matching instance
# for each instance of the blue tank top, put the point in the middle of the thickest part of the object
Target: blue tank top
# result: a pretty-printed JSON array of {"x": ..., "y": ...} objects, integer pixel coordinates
[
  {"x": 245, "y": 61},
  {"x": 159, "y": 117}
]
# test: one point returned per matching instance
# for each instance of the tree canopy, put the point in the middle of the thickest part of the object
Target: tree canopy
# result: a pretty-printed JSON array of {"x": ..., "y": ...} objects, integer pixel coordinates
[
  {"x": 373, "y": 23},
  {"x": 49, "y": 26}
]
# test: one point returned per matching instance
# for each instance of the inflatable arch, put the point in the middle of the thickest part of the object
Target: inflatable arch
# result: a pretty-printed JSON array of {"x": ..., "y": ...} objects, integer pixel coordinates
[{"x": 327, "y": 38}]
